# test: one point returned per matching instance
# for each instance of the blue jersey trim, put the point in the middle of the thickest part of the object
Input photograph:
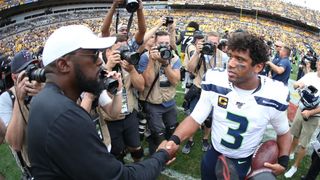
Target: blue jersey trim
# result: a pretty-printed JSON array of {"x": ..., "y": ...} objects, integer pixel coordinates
[
  {"x": 271, "y": 103},
  {"x": 214, "y": 88}
]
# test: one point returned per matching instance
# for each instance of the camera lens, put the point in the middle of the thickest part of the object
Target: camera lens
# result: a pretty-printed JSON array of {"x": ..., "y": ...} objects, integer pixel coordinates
[
  {"x": 35, "y": 74},
  {"x": 208, "y": 49},
  {"x": 131, "y": 57},
  {"x": 165, "y": 52},
  {"x": 111, "y": 85},
  {"x": 132, "y": 5}
]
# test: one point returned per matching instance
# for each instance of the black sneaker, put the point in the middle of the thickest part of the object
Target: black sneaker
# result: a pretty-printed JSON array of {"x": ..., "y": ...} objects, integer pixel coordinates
[
  {"x": 205, "y": 145},
  {"x": 187, "y": 147}
]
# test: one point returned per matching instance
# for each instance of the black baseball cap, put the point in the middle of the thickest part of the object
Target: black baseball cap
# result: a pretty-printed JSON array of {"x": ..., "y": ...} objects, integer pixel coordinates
[{"x": 21, "y": 60}]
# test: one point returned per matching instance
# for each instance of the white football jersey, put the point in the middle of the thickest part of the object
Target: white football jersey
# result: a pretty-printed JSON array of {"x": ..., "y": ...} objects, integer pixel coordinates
[{"x": 240, "y": 119}]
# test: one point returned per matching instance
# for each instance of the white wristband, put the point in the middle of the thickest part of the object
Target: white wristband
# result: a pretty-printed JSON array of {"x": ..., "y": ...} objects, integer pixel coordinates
[{"x": 119, "y": 92}]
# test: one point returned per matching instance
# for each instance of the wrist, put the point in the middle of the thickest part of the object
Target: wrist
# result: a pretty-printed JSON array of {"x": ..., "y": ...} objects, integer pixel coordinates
[
  {"x": 283, "y": 161},
  {"x": 175, "y": 139},
  {"x": 119, "y": 92}
]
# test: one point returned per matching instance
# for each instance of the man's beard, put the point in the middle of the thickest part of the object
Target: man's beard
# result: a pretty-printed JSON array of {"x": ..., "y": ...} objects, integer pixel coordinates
[{"x": 86, "y": 85}]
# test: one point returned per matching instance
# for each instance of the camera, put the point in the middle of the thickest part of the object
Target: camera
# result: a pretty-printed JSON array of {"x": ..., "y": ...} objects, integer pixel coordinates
[
  {"x": 5, "y": 72},
  {"x": 169, "y": 20},
  {"x": 131, "y": 57},
  {"x": 198, "y": 35},
  {"x": 111, "y": 85},
  {"x": 35, "y": 73},
  {"x": 131, "y": 5},
  {"x": 316, "y": 147},
  {"x": 165, "y": 52},
  {"x": 208, "y": 49}
]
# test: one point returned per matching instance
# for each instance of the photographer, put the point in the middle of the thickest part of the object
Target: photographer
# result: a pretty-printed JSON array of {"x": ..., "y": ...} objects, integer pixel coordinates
[
  {"x": 124, "y": 127},
  {"x": 202, "y": 60},
  {"x": 306, "y": 120},
  {"x": 135, "y": 42},
  {"x": 160, "y": 68},
  {"x": 14, "y": 108}
]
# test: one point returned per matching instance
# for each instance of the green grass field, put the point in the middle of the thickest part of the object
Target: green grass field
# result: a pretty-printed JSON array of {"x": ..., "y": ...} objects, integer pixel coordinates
[{"x": 185, "y": 164}]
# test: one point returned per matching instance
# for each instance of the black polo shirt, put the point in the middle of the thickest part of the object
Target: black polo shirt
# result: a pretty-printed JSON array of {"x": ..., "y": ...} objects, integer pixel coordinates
[{"x": 64, "y": 144}]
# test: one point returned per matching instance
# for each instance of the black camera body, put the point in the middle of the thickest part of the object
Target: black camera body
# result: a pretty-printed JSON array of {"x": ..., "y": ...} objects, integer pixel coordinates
[
  {"x": 165, "y": 52},
  {"x": 208, "y": 49},
  {"x": 169, "y": 20},
  {"x": 35, "y": 73},
  {"x": 111, "y": 85},
  {"x": 131, "y": 5},
  {"x": 131, "y": 57}
]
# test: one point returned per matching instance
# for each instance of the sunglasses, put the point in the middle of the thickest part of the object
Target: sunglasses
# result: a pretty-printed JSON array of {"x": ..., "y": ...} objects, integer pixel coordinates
[{"x": 94, "y": 55}]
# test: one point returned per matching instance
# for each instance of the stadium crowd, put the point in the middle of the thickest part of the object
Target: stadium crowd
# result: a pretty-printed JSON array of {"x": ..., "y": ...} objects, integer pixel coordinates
[
  {"x": 282, "y": 8},
  {"x": 6, "y": 4},
  {"x": 111, "y": 87}
]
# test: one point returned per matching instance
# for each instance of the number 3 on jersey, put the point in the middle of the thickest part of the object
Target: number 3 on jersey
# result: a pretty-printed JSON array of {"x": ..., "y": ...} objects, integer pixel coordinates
[{"x": 236, "y": 133}]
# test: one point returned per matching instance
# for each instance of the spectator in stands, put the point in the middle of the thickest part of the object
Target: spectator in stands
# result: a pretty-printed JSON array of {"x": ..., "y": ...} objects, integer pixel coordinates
[
  {"x": 62, "y": 139},
  {"x": 162, "y": 75},
  {"x": 15, "y": 109},
  {"x": 305, "y": 122},
  {"x": 281, "y": 69}
]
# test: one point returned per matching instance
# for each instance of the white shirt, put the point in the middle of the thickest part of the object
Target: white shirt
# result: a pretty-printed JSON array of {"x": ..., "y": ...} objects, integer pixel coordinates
[
  {"x": 6, "y": 108},
  {"x": 239, "y": 120}
]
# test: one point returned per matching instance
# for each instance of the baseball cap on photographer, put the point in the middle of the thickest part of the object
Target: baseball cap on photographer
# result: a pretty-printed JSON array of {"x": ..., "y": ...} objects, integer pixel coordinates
[
  {"x": 21, "y": 60},
  {"x": 70, "y": 38}
]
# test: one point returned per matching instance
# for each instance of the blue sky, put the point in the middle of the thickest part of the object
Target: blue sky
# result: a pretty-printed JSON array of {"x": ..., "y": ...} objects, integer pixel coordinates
[{"x": 313, "y": 4}]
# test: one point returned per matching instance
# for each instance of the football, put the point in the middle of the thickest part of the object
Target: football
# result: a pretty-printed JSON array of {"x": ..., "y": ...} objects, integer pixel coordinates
[{"x": 266, "y": 152}]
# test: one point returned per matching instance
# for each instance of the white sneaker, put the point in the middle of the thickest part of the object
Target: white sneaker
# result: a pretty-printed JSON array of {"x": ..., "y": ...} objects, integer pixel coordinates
[
  {"x": 291, "y": 157},
  {"x": 291, "y": 172}
]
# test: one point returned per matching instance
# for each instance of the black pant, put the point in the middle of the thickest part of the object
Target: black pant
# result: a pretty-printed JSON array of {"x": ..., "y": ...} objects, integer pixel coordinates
[{"x": 314, "y": 169}]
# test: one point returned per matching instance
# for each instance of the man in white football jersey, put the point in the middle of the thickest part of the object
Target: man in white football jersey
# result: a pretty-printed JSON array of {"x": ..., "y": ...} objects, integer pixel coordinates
[{"x": 243, "y": 104}]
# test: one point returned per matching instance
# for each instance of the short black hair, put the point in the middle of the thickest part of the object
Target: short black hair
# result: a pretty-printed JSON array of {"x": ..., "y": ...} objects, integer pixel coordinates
[
  {"x": 243, "y": 41},
  {"x": 193, "y": 24}
]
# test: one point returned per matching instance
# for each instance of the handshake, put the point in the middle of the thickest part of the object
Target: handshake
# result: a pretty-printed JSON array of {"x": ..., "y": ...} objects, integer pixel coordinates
[{"x": 171, "y": 147}]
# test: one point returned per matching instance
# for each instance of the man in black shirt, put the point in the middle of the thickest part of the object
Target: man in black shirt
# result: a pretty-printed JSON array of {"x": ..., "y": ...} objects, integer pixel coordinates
[{"x": 63, "y": 141}]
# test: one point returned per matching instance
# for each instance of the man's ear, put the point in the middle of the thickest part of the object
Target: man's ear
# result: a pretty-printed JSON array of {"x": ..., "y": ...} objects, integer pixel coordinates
[
  {"x": 258, "y": 67},
  {"x": 63, "y": 65}
]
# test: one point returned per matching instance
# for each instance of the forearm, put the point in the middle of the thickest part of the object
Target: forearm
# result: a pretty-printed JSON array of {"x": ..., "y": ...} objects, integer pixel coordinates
[
  {"x": 114, "y": 109},
  {"x": 284, "y": 143},
  {"x": 105, "y": 29},
  {"x": 173, "y": 75},
  {"x": 193, "y": 62},
  {"x": 137, "y": 80},
  {"x": 86, "y": 104},
  {"x": 186, "y": 128},
  {"x": 141, "y": 27},
  {"x": 276, "y": 69},
  {"x": 148, "y": 74},
  {"x": 16, "y": 128},
  {"x": 172, "y": 32},
  {"x": 151, "y": 32},
  {"x": 314, "y": 111}
]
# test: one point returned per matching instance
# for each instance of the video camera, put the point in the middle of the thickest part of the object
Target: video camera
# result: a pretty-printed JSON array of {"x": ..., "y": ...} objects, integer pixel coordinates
[
  {"x": 131, "y": 57},
  {"x": 35, "y": 73},
  {"x": 308, "y": 99},
  {"x": 165, "y": 52},
  {"x": 111, "y": 85},
  {"x": 169, "y": 20}
]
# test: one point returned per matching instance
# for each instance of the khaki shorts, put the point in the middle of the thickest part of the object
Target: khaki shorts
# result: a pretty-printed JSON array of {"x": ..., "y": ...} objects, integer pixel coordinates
[{"x": 303, "y": 129}]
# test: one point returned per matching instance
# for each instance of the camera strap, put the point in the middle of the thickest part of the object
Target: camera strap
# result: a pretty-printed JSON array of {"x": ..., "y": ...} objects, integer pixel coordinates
[
  {"x": 129, "y": 24},
  {"x": 117, "y": 21},
  {"x": 153, "y": 83}
]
